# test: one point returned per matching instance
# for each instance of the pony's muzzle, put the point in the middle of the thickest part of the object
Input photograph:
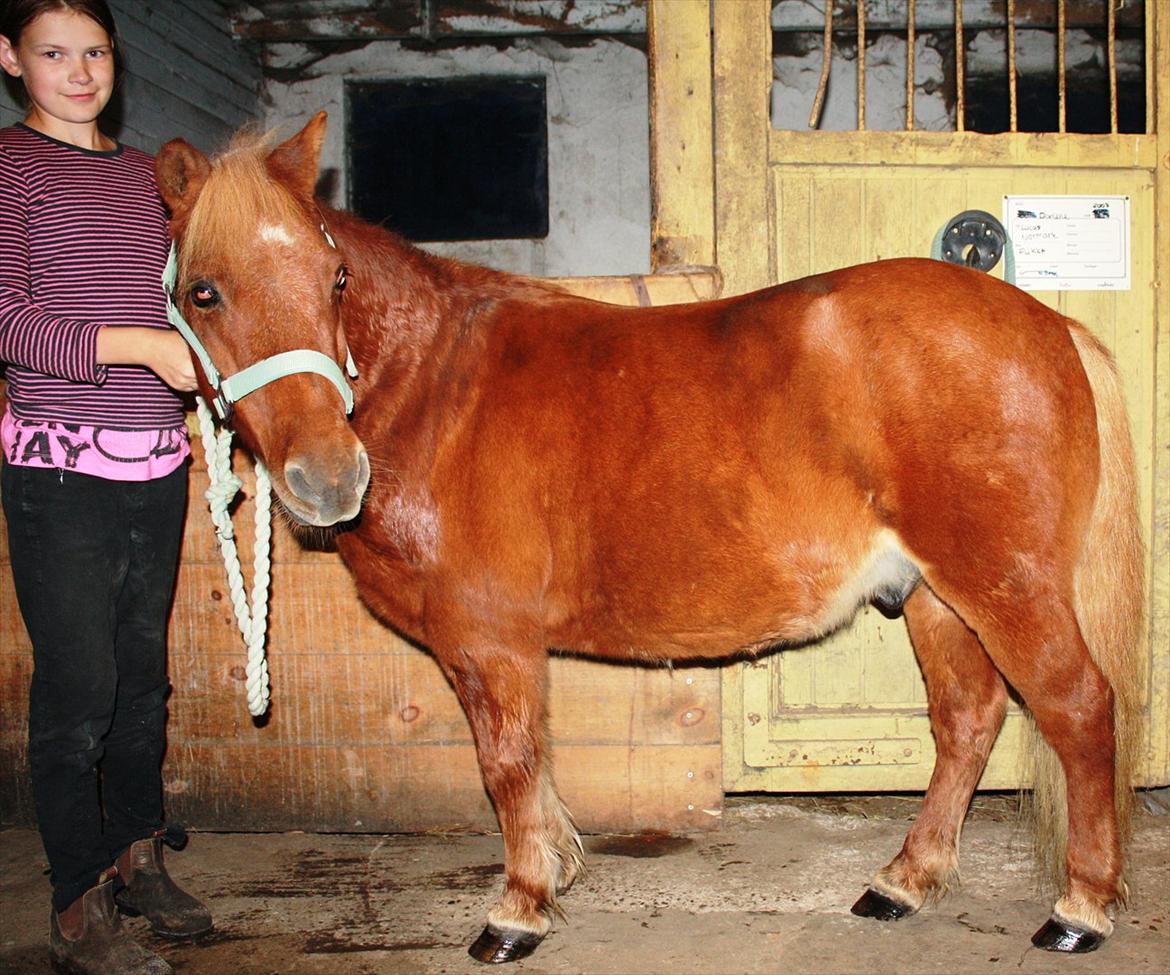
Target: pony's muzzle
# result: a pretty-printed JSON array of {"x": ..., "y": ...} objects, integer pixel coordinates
[{"x": 326, "y": 494}]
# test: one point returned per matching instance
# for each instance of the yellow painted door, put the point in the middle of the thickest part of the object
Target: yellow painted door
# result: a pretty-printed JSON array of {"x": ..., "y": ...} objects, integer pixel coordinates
[{"x": 849, "y": 713}]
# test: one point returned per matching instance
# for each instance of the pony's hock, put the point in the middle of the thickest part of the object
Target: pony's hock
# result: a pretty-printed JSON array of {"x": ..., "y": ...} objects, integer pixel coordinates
[{"x": 693, "y": 482}]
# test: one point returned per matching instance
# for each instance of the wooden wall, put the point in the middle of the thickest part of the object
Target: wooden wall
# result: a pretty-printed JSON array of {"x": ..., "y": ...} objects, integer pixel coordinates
[
  {"x": 185, "y": 76},
  {"x": 364, "y": 733}
]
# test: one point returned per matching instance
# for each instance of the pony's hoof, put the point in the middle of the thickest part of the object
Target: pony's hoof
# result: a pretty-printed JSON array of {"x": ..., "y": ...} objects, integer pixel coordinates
[
  {"x": 495, "y": 945},
  {"x": 1058, "y": 936},
  {"x": 879, "y": 906}
]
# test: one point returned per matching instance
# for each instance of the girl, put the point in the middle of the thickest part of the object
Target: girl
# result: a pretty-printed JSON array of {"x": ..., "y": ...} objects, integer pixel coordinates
[{"x": 94, "y": 482}]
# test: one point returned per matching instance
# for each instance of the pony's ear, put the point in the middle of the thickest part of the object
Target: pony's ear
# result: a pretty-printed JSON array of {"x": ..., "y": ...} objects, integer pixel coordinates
[
  {"x": 180, "y": 171},
  {"x": 295, "y": 163}
]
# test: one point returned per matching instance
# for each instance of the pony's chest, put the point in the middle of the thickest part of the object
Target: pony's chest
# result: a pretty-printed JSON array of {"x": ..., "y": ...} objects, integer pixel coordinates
[
  {"x": 405, "y": 522},
  {"x": 390, "y": 554}
]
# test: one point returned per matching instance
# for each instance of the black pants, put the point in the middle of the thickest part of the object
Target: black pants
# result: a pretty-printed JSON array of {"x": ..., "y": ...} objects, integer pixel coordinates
[{"x": 94, "y": 564}]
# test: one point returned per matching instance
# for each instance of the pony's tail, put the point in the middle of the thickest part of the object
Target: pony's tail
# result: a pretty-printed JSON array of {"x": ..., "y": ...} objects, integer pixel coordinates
[{"x": 1110, "y": 601}]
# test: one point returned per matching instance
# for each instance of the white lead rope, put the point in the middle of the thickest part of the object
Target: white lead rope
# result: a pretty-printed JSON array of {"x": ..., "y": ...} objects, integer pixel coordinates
[{"x": 224, "y": 486}]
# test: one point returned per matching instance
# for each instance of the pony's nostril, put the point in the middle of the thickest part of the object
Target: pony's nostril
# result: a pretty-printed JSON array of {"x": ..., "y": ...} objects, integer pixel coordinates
[
  {"x": 298, "y": 483},
  {"x": 333, "y": 494},
  {"x": 363, "y": 473}
]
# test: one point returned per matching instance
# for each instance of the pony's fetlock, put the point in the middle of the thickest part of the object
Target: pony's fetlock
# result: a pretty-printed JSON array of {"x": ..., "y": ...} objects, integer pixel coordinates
[
  {"x": 909, "y": 898},
  {"x": 570, "y": 862},
  {"x": 914, "y": 884},
  {"x": 563, "y": 842},
  {"x": 1078, "y": 911},
  {"x": 515, "y": 911}
]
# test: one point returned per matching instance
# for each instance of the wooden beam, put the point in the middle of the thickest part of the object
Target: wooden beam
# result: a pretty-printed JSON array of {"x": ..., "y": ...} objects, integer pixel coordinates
[
  {"x": 433, "y": 20},
  {"x": 682, "y": 178},
  {"x": 742, "y": 97}
]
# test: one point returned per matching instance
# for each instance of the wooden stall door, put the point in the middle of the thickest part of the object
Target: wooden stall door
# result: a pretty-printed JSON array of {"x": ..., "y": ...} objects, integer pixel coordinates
[{"x": 849, "y": 713}]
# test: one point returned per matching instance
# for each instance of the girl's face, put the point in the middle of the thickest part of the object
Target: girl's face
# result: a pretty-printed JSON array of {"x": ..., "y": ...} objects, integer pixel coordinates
[{"x": 66, "y": 61}]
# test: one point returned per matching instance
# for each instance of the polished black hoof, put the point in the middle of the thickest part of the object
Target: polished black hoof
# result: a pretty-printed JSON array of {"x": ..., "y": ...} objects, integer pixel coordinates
[
  {"x": 1058, "y": 936},
  {"x": 879, "y": 906},
  {"x": 495, "y": 945}
]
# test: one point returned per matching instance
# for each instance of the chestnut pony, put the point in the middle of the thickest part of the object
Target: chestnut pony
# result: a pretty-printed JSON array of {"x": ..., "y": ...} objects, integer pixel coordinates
[{"x": 526, "y": 471}]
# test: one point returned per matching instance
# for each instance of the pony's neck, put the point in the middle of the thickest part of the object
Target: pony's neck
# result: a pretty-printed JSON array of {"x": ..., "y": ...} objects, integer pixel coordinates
[{"x": 404, "y": 307}]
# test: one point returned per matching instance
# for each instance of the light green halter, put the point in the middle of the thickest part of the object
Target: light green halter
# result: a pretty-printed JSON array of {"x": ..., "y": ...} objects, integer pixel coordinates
[
  {"x": 224, "y": 485},
  {"x": 234, "y": 388}
]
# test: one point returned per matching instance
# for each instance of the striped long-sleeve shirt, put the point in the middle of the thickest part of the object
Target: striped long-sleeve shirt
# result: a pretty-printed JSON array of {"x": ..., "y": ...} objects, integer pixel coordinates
[{"x": 83, "y": 243}]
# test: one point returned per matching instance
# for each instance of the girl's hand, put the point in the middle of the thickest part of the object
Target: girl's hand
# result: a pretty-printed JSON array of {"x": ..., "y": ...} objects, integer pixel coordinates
[{"x": 162, "y": 351}]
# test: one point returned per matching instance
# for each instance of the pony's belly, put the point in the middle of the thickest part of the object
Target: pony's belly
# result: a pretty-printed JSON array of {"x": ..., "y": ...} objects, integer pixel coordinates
[{"x": 808, "y": 595}]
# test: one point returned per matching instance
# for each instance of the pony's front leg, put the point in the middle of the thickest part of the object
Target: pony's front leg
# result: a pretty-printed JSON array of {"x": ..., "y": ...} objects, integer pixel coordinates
[{"x": 503, "y": 694}]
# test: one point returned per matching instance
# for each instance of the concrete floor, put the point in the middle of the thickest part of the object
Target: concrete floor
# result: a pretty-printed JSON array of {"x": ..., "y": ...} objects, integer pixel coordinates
[{"x": 768, "y": 892}]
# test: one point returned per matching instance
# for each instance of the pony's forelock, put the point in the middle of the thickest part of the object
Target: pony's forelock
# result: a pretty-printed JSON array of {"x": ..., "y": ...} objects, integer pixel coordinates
[{"x": 239, "y": 194}]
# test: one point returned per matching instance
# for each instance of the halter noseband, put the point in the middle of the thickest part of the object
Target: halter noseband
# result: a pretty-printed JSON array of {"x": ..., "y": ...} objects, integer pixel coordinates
[{"x": 234, "y": 388}]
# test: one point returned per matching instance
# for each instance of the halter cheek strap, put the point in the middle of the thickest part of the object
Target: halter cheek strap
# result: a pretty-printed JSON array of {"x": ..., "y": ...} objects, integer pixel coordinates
[{"x": 236, "y": 387}]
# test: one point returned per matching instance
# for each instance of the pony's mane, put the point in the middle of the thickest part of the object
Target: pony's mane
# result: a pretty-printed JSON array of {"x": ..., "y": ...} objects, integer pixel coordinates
[{"x": 239, "y": 190}]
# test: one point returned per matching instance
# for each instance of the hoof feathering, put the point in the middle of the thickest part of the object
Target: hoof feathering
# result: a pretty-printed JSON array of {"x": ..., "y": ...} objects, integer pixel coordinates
[
  {"x": 495, "y": 945},
  {"x": 1059, "y": 936},
  {"x": 880, "y": 907}
]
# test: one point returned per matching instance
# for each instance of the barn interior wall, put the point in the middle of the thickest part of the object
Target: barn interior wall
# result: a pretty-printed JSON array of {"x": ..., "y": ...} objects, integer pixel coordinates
[
  {"x": 598, "y": 137},
  {"x": 184, "y": 75}
]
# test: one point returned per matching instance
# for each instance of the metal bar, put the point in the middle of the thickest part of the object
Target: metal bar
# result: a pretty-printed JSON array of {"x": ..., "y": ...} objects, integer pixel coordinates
[
  {"x": 890, "y": 15},
  {"x": 960, "y": 71},
  {"x": 910, "y": 65},
  {"x": 1112, "y": 65},
  {"x": 1013, "y": 113},
  {"x": 860, "y": 65},
  {"x": 1151, "y": 45},
  {"x": 826, "y": 62},
  {"x": 1062, "y": 88}
]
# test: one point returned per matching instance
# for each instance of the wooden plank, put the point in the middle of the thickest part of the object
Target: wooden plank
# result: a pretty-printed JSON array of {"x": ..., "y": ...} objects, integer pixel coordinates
[
  {"x": 1159, "y": 755},
  {"x": 838, "y": 237},
  {"x": 634, "y": 748},
  {"x": 439, "y": 20},
  {"x": 670, "y": 287},
  {"x": 742, "y": 95},
  {"x": 181, "y": 50},
  {"x": 402, "y": 698},
  {"x": 158, "y": 116},
  {"x": 967, "y": 149},
  {"x": 312, "y": 609},
  {"x": 792, "y": 195},
  {"x": 204, "y": 87},
  {"x": 422, "y": 787},
  {"x": 682, "y": 178}
]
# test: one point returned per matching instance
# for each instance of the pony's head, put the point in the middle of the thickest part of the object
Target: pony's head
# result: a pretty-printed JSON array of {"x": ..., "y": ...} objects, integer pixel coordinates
[{"x": 259, "y": 275}]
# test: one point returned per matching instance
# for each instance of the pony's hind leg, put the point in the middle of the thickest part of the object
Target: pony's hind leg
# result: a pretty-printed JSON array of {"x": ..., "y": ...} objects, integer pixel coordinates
[
  {"x": 967, "y": 701},
  {"x": 503, "y": 694},
  {"x": 1071, "y": 702}
]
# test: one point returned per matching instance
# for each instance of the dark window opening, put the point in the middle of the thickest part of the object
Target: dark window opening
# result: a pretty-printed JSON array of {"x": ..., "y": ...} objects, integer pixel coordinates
[
  {"x": 446, "y": 160},
  {"x": 1086, "y": 94},
  {"x": 797, "y": 41}
]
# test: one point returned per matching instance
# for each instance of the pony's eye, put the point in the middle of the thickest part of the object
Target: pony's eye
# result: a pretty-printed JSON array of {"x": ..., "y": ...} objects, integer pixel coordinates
[
  {"x": 342, "y": 278},
  {"x": 203, "y": 295}
]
